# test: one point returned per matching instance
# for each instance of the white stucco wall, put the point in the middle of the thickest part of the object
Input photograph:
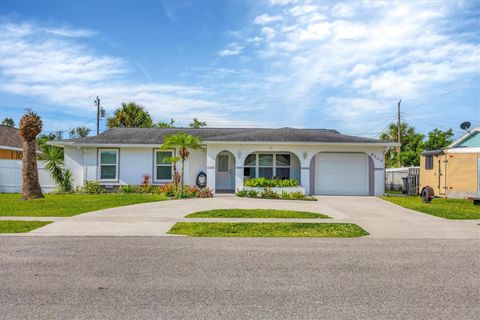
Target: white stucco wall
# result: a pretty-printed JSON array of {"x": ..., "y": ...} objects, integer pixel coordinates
[
  {"x": 134, "y": 162},
  {"x": 73, "y": 160},
  {"x": 304, "y": 152},
  {"x": 196, "y": 162}
]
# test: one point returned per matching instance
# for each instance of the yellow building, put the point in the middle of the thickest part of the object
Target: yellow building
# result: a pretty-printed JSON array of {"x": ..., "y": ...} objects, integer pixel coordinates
[
  {"x": 10, "y": 143},
  {"x": 453, "y": 172}
]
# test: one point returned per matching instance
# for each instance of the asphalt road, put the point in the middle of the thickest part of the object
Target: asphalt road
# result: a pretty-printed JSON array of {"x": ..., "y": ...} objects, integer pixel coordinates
[{"x": 187, "y": 278}]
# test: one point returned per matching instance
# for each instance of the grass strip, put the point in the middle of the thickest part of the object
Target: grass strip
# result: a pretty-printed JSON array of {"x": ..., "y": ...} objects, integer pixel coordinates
[
  {"x": 256, "y": 213},
  {"x": 220, "y": 229}
]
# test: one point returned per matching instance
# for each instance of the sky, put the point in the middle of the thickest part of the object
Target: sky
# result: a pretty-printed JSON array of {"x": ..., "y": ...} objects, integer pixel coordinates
[{"x": 275, "y": 63}]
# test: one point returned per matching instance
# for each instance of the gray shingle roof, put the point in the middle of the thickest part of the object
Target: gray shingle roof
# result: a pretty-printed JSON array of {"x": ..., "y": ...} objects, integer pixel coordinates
[
  {"x": 9, "y": 137},
  {"x": 156, "y": 135}
]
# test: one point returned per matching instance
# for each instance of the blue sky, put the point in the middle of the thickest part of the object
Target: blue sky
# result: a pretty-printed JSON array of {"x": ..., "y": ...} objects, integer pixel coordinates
[{"x": 272, "y": 63}]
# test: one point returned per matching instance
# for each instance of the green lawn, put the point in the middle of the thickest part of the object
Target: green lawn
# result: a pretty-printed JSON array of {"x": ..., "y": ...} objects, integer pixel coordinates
[
  {"x": 457, "y": 209},
  {"x": 65, "y": 205},
  {"x": 256, "y": 213},
  {"x": 218, "y": 229},
  {"x": 20, "y": 226}
]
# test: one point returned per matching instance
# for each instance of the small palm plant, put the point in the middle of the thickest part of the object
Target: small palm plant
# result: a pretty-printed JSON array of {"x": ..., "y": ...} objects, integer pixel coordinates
[
  {"x": 53, "y": 163},
  {"x": 182, "y": 142},
  {"x": 30, "y": 126}
]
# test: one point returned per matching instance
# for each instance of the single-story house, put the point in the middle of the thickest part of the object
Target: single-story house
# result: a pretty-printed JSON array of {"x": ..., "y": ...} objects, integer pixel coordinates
[
  {"x": 453, "y": 172},
  {"x": 323, "y": 161},
  {"x": 11, "y": 144}
]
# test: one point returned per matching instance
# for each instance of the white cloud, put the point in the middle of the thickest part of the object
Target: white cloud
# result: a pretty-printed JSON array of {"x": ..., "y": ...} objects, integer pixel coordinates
[
  {"x": 233, "y": 49},
  {"x": 303, "y": 10},
  {"x": 387, "y": 51},
  {"x": 57, "y": 69},
  {"x": 265, "y": 19},
  {"x": 349, "y": 108},
  {"x": 343, "y": 10}
]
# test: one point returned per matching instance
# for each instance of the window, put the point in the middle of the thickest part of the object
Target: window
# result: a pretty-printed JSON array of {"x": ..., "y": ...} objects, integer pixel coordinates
[
  {"x": 249, "y": 171},
  {"x": 163, "y": 168},
  {"x": 282, "y": 166},
  {"x": 267, "y": 166},
  {"x": 108, "y": 164},
  {"x": 223, "y": 163},
  {"x": 428, "y": 162}
]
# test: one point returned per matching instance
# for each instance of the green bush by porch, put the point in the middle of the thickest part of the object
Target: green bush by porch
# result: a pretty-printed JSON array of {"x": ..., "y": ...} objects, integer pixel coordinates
[{"x": 270, "y": 183}]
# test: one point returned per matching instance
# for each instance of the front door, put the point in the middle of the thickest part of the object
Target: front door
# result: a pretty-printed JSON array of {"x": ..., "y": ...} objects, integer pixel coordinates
[{"x": 224, "y": 178}]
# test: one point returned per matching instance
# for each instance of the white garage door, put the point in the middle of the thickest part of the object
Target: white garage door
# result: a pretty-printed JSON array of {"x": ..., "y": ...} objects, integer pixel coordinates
[{"x": 341, "y": 174}]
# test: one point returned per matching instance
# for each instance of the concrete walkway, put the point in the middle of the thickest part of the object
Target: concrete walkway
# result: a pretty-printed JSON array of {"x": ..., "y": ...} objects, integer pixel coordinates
[{"x": 380, "y": 218}]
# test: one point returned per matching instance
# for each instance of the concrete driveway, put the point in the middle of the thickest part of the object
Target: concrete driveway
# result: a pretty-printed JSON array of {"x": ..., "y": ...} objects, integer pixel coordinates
[{"x": 380, "y": 218}]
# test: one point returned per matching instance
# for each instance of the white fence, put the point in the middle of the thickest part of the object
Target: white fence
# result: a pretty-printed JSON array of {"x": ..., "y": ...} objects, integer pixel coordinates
[
  {"x": 393, "y": 177},
  {"x": 11, "y": 177}
]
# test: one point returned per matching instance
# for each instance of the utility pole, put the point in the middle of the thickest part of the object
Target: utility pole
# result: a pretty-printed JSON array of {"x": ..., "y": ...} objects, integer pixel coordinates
[
  {"x": 399, "y": 134},
  {"x": 97, "y": 102}
]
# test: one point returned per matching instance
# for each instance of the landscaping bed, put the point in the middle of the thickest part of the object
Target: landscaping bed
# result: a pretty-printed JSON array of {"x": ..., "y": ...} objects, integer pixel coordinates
[
  {"x": 13, "y": 226},
  {"x": 217, "y": 229},
  {"x": 256, "y": 213},
  {"x": 457, "y": 209},
  {"x": 287, "y": 189}
]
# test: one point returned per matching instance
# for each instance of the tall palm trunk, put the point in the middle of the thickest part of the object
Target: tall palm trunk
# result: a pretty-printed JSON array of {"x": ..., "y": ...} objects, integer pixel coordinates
[
  {"x": 30, "y": 184},
  {"x": 30, "y": 127},
  {"x": 182, "y": 172}
]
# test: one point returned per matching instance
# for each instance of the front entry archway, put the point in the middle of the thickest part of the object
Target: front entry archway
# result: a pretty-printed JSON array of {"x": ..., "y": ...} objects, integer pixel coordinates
[{"x": 225, "y": 173}]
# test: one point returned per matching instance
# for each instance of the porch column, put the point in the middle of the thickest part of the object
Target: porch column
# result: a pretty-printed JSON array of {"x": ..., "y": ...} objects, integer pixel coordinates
[
  {"x": 239, "y": 162},
  {"x": 305, "y": 178},
  {"x": 211, "y": 164}
]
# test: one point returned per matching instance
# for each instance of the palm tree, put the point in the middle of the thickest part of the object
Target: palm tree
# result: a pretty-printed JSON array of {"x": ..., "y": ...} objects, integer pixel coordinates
[
  {"x": 182, "y": 142},
  {"x": 30, "y": 127},
  {"x": 130, "y": 115}
]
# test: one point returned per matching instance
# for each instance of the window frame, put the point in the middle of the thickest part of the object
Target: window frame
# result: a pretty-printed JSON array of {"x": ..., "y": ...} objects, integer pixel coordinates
[
  {"x": 428, "y": 162},
  {"x": 117, "y": 164},
  {"x": 273, "y": 166},
  {"x": 155, "y": 165}
]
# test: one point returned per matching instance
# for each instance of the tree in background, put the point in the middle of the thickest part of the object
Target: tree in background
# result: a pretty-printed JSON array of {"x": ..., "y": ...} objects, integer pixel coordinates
[
  {"x": 79, "y": 132},
  {"x": 30, "y": 127},
  {"x": 439, "y": 139},
  {"x": 196, "y": 124},
  {"x": 8, "y": 122},
  {"x": 162, "y": 124},
  {"x": 130, "y": 115},
  {"x": 182, "y": 142},
  {"x": 412, "y": 146}
]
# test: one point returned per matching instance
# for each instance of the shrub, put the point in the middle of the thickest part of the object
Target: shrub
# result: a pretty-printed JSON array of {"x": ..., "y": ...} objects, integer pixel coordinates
[
  {"x": 252, "y": 193},
  {"x": 205, "y": 193},
  {"x": 168, "y": 189},
  {"x": 92, "y": 187},
  {"x": 150, "y": 189},
  {"x": 296, "y": 195},
  {"x": 130, "y": 189},
  {"x": 270, "y": 183},
  {"x": 242, "y": 193},
  {"x": 268, "y": 193}
]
